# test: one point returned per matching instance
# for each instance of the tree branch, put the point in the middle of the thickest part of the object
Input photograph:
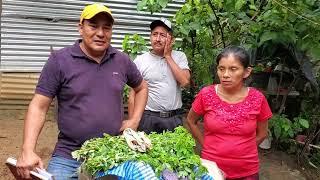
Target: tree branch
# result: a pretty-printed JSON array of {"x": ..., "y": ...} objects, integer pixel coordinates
[{"x": 218, "y": 22}]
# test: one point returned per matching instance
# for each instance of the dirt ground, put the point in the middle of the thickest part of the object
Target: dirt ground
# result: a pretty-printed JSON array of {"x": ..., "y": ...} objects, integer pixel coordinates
[
  {"x": 11, "y": 141},
  {"x": 274, "y": 165}
]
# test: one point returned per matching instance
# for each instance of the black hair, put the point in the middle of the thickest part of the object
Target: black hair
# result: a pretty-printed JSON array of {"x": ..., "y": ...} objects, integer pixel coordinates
[{"x": 238, "y": 52}]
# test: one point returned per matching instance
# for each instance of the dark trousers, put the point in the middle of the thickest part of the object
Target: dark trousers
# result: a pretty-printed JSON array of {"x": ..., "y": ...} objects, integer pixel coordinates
[{"x": 152, "y": 122}]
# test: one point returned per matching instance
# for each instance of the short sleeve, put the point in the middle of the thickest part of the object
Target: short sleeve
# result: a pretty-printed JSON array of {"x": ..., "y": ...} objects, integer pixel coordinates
[
  {"x": 49, "y": 80},
  {"x": 134, "y": 76},
  {"x": 137, "y": 62},
  {"x": 182, "y": 61},
  {"x": 197, "y": 105},
  {"x": 265, "y": 111}
]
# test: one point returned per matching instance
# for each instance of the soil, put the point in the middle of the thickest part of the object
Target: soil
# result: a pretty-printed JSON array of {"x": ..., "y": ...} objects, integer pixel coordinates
[
  {"x": 11, "y": 141},
  {"x": 274, "y": 165}
]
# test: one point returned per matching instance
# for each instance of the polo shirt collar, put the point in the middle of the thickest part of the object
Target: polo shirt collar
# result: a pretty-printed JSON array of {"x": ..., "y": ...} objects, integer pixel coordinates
[{"x": 77, "y": 52}]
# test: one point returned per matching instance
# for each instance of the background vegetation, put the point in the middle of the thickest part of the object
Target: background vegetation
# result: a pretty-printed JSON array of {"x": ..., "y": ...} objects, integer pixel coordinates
[{"x": 283, "y": 38}]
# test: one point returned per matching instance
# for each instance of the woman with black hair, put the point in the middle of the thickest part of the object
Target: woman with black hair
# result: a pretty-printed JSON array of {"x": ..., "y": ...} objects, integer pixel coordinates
[{"x": 235, "y": 118}]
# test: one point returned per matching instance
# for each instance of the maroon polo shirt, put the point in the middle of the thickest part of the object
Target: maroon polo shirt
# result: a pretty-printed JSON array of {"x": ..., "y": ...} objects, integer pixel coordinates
[{"x": 89, "y": 94}]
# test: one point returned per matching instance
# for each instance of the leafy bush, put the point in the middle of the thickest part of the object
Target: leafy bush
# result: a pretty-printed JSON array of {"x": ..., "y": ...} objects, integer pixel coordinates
[
  {"x": 283, "y": 129},
  {"x": 170, "y": 150},
  {"x": 132, "y": 45},
  {"x": 207, "y": 26}
]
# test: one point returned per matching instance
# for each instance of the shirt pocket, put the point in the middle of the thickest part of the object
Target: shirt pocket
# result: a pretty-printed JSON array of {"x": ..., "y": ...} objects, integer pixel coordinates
[
  {"x": 117, "y": 81},
  {"x": 252, "y": 115}
]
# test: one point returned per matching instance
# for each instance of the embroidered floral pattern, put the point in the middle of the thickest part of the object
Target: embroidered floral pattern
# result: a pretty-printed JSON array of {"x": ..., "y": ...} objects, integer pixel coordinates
[{"x": 233, "y": 115}]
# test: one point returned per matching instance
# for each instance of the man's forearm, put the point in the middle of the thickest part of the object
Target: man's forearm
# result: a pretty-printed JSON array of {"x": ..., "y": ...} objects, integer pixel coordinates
[
  {"x": 140, "y": 101},
  {"x": 131, "y": 98},
  {"x": 182, "y": 76},
  {"x": 34, "y": 122}
]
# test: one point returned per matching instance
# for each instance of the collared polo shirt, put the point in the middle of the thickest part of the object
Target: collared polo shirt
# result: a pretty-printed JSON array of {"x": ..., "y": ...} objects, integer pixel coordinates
[{"x": 89, "y": 94}]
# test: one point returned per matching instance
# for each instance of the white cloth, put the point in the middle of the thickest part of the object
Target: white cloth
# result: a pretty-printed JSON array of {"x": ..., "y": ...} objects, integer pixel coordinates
[
  {"x": 137, "y": 141},
  {"x": 164, "y": 91},
  {"x": 213, "y": 169}
]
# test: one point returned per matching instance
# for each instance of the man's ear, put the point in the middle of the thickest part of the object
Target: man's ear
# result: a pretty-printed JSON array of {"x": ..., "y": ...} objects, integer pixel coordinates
[
  {"x": 173, "y": 39},
  {"x": 80, "y": 28},
  {"x": 247, "y": 72}
]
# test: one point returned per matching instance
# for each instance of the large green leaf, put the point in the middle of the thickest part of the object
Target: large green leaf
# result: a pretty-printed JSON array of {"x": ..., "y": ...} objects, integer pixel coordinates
[
  {"x": 286, "y": 127},
  {"x": 239, "y": 4},
  {"x": 163, "y": 3},
  {"x": 219, "y": 3},
  {"x": 195, "y": 25},
  {"x": 304, "y": 123},
  {"x": 291, "y": 133},
  {"x": 141, "y": 5},
  {"x": 268, "y": 35},
  {"x": 315, "y": 51},
  {"x": 277, "y": 131}
]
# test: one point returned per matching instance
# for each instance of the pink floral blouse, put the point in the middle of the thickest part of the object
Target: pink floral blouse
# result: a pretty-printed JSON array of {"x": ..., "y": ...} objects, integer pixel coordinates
[{"x": 230, "y": 130}]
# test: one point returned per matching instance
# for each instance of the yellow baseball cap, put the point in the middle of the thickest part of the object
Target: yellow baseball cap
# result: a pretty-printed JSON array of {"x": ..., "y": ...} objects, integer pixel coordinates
[{"x": 91, "y": 10}]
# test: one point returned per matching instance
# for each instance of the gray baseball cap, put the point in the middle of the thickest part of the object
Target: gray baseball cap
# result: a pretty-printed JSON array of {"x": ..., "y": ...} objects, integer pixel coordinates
[{"x": 161, "y": 22}]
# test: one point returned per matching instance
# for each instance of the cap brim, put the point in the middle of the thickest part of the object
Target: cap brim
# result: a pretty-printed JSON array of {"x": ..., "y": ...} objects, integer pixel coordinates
[
  {"x": 93, "y": 15},
  {"x": 156, "y": 23}
]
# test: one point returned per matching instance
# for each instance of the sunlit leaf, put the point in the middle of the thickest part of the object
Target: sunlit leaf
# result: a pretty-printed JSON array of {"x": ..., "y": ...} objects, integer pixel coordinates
[
  {"x": 304, "y": 123},
  {"x": 268, "y": 35},
  {"x": 239, "y": 4}
]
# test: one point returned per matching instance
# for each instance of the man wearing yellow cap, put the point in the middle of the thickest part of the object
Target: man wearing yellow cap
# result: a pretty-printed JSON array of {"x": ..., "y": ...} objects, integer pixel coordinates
[{"x": 87, "y": 78}]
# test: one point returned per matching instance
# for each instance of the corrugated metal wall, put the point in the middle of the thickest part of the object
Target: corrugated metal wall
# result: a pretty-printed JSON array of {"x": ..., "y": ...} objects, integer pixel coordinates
[
  {"x": 30, "y": 28},
  {"x": 17, "y": 89}
]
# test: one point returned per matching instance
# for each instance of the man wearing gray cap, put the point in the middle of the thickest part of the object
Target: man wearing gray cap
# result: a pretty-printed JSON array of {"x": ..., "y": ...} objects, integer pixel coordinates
[{"x": 165, "y": 71}]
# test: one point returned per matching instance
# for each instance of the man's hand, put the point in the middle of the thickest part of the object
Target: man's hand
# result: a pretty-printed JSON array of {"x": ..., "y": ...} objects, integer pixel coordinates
[
  {"x": 130, "y": 123},
  {"x": 168, "y": 46},
  {"x": 26, "y": 162}
]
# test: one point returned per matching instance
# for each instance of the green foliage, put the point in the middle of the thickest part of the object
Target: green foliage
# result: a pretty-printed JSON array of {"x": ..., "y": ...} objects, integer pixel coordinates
[
  {"x": 125, "y": 94},
  {"x": 206, "y": 26},
  {"x": 170, "y": 150},
  {"x": 258, "y": 68},
  {"x": 194, "y": 23},
  {"x": 134, "y": 45},
  {"x": 315, "y": 159},
  {"x": 291, "y": 22},
  {"x": 152, "y": 5},
  {"x": 101, "y": 154},
  {"x": 284, "y": 129},
  {"x": 174, "y": 151}
]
